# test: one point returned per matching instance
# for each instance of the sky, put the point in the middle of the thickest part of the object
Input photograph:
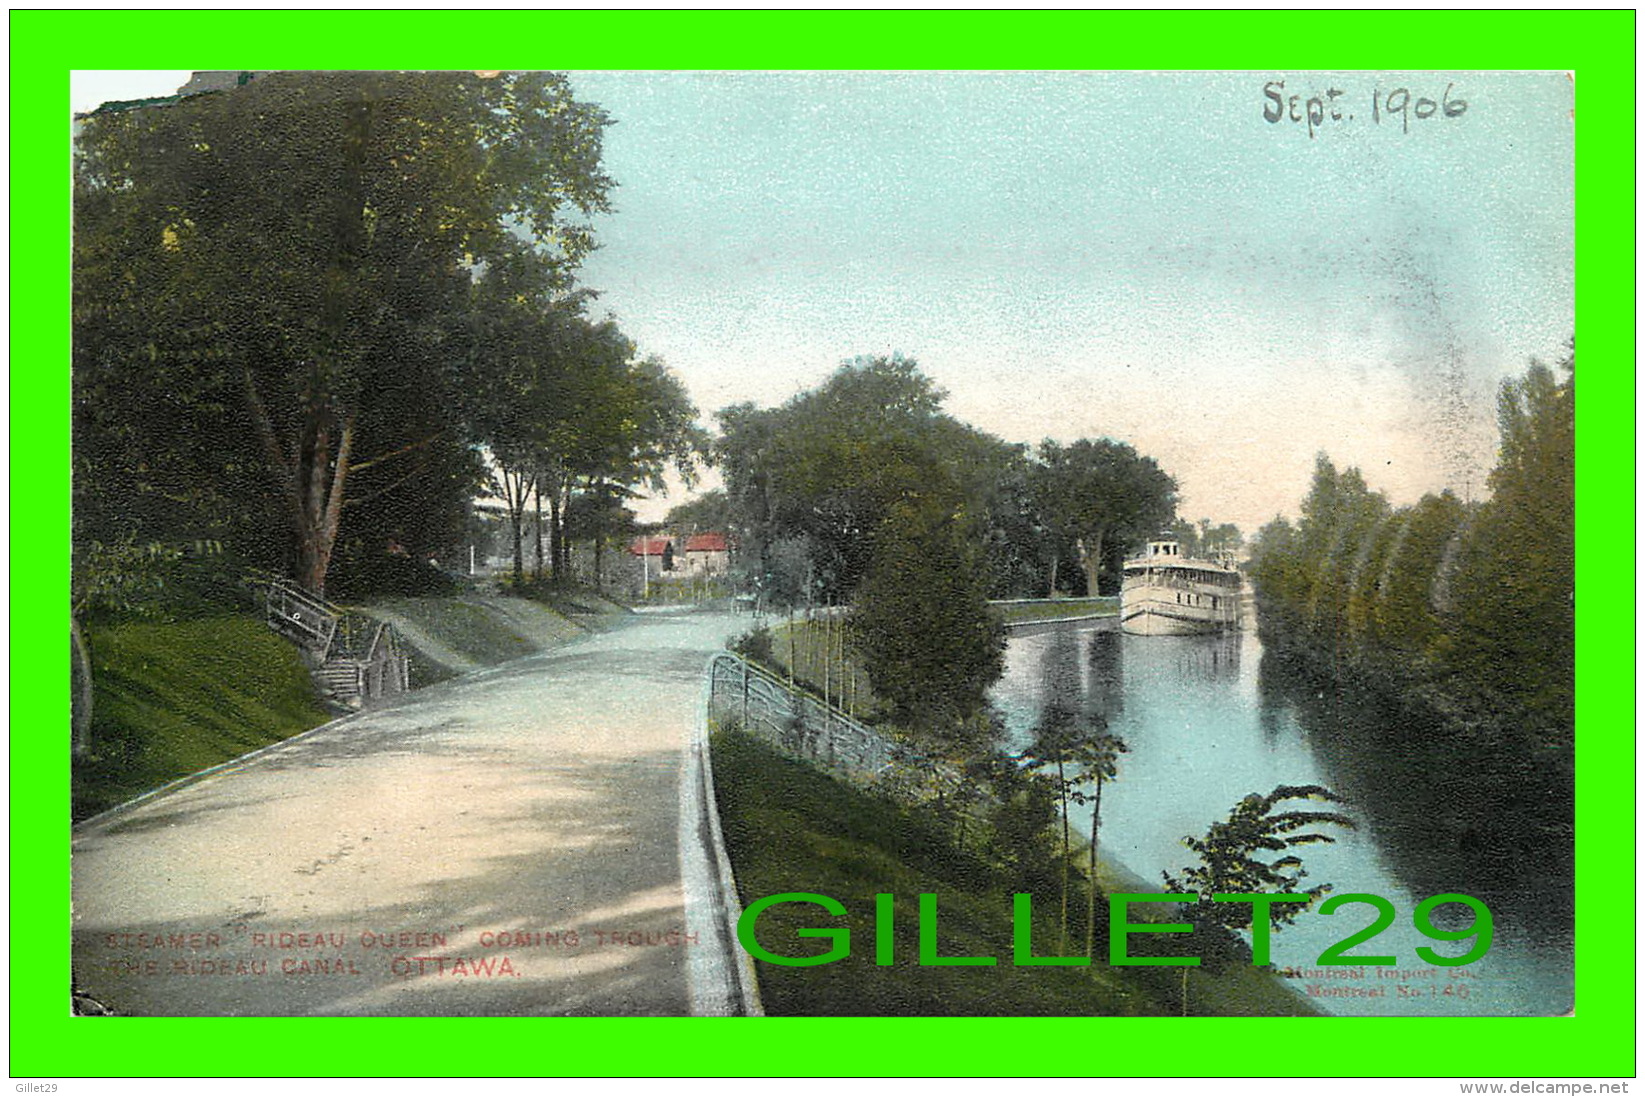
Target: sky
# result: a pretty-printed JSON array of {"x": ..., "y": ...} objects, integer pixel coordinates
[{"x": 1142, "y": 256}]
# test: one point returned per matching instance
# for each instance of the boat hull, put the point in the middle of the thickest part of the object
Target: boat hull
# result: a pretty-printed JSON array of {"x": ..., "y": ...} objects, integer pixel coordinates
[
  {"x": 1179, "y": 607},
  {"x": 1157, "y": 618}
]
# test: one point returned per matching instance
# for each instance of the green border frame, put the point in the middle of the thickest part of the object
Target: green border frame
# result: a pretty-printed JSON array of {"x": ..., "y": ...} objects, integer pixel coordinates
[{"x": 1598, "y": 1041}]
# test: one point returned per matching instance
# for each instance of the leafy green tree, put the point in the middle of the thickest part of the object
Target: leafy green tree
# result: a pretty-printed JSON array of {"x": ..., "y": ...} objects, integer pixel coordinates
[
  {"x": 1511, "y": 619},
  {"x": 1097, "y": 759},
  {"x": 710, "y": 512},
  {"x": 623, "y": 421},
  {"x": 1232, "y": 857},
  {"x": 1017, "y": 548},
  {"x": 568, "y": 409},
  {"x": 1332, "y": 548},
  {"x": 1057, "y": 736},
  {"x": 598, "y": 515},
  {"x": 1204, "y": 539},
  {"x": 923, "y": 627},
  {"x": 1406, "y": 621},
  {"x": 287, "y": 266},
  {"x": 517, "y": 374},
  {"x": 1100, "y": 495},
  {"x": 1023, "y": 817},
  {"x": 1062, "y": 745},
  {"x": 831, "y": 464}
]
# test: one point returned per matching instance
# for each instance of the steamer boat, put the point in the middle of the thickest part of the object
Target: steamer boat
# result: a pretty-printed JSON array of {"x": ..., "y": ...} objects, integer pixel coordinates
[{"x": 1167, "y": 594}]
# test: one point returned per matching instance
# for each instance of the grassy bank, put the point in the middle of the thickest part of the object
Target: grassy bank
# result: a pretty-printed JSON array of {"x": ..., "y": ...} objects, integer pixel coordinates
[
  {"x": 816, "y": 655},
  {"x": 788, "y": 828},
  {"x": 1023, "y": 612},
  {"x": 173, "y": 699},
  {"x": 446, "y": 637}
]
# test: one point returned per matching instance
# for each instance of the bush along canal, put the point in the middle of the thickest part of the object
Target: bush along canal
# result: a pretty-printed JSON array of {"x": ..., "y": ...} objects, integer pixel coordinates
[{"x": 1210, "y": 719}]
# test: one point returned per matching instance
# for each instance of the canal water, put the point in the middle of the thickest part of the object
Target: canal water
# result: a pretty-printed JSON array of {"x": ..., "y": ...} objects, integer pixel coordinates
[{"x": 1208, "y": 720}]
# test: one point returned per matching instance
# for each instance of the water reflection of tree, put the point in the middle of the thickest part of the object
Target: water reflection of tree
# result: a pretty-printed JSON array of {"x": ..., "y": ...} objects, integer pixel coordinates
[
  {"x": 1105, "y": 692},
  {"x": 1071, "y": 738},
  {"x": 1451, "y": 809},
  {"x": 1208, "y": 658},
  {"x": 1057, "y": 734}
]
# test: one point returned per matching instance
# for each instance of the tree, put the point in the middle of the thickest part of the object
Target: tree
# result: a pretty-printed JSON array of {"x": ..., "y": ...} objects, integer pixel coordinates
[
  {"x": 1024, "y": 813},
  {"x": 567, "y": 408},
  {"x": 710, "y": 512},
  {"x": 1097, "y": 759},
  {"x": 1205, "y": 540},
  {"x": 518, "y": 376},
  {"x": 622, "y": 422},
  {"x": 1230, "y": 858},
  {"x": 922, "y": 624},
  {"x": 1513, "y": 587},
  {"x": 1086, "y": 757},
  {"x": 831, "y": 464},
  {"x": 600, "y": 516},
  {"x": 1060, "y": 745},
  {"x": 288, "y": 264},
  {"x": 1093, "y": 494},
  {"x": 1057, "y": 736}
]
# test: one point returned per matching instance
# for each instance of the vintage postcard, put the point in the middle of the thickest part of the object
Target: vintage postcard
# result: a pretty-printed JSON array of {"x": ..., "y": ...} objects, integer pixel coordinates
[{"x": 671, "y": 543}]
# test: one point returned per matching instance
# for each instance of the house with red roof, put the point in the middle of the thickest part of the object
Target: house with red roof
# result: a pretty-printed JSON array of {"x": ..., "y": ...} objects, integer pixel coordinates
[
  {"x": 707, "y": 554},
  {"x": 657, "y": 552}
]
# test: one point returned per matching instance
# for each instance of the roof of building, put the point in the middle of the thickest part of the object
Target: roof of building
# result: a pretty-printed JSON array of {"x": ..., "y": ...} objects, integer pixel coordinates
[
  {"x": 649, "y": 546},
  {"x": 706, "y": 542}
]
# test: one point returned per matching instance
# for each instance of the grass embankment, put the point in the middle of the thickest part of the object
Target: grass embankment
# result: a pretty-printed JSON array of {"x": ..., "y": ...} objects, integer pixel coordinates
[
  {"x": 789, "y": 828},
  {"x": 446, "y": 637},
  {"x": 173, "y": 699},
  {"x": 818, "y": 655},
  {"x": 1024, "y": 612},
  {"x": 695, "y": 590}
]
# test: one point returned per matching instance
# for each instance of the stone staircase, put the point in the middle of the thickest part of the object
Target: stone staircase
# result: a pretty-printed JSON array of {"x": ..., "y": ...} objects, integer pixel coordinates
[{"x": 354, "y": 659}]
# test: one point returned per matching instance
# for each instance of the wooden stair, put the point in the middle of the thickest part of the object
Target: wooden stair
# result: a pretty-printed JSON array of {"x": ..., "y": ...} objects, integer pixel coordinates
[{"x": 354, "y": 660}]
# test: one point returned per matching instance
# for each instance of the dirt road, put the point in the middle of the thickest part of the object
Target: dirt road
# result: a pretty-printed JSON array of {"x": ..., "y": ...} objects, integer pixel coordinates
[{"x": 506, "y": 843}]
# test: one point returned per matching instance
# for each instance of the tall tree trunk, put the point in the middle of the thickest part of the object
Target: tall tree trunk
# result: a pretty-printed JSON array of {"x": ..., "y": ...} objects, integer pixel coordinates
[
  {"x": 519, "y": 560},
  {"x": 537, "y": 496},
  {"x": 1062, "y": 797},
  {"x": 1091, "y": 558},
  {"x": 311, "y": 483},
  {"x": 1091, "y": 874},
  {"x": 1055, "y": 560},
  {"x": 323, "y": 508},
  {"x": 562, "y": 492},
  {"x": 556, "y": 570},
  {"x": 515, "y": 486}
]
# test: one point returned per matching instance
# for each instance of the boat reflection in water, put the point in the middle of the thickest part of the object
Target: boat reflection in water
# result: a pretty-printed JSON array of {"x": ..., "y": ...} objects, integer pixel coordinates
[{"x": 1205, "y": 729}]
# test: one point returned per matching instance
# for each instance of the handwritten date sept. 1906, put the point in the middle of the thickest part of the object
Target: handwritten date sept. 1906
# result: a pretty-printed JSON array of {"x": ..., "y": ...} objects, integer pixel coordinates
[{"x": 1319, "y": 111}]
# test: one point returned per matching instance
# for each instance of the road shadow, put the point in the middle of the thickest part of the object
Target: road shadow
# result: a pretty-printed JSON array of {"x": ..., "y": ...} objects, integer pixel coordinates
[{"x": 574, "y": 909}]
